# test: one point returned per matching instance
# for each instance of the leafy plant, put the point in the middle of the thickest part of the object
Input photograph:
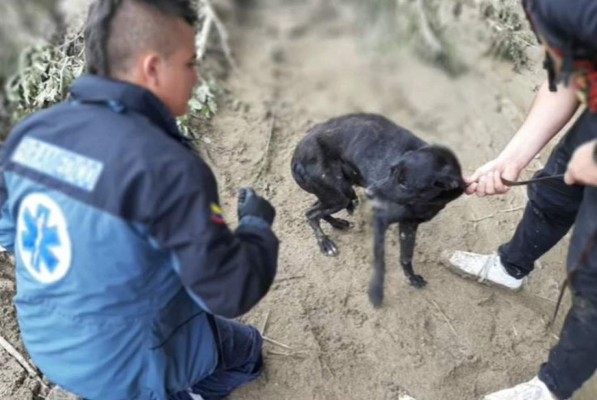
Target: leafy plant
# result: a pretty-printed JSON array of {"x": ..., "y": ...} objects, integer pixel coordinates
[
  {"x": 510, "y": 35},
  {"x": 46, "y": 73},
  {"x": 201, "y": 106}
]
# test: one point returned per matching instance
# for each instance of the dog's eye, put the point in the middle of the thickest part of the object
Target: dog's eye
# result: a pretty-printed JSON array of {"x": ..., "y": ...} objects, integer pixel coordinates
[{"x": 399, "y": 175}]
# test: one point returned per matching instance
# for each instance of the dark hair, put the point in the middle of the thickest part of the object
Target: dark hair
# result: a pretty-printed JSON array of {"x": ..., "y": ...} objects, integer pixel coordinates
[
  {"x": 100, "y": 23},
  {"x": 570, "y": 27}
]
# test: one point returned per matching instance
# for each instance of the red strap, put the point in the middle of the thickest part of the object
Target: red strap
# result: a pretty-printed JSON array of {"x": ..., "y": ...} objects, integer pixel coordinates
[{"x": 592, "y": 91}]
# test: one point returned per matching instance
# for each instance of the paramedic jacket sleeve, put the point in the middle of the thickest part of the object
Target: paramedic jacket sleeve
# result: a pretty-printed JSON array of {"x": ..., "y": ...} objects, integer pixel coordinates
[
  {"x": 225, "y": 272},
  {"x": 7, "y": 227}
]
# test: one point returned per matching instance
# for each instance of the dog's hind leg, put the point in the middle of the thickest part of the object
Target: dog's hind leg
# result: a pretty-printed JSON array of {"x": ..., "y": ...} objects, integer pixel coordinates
[
  {"x": 338, "y": 223},
  {"x": 351, "y": 202},
  {"x": 408, "y": 233},
  {"x": 322, "y": 211},
  {"x": 379, "y": 267}
]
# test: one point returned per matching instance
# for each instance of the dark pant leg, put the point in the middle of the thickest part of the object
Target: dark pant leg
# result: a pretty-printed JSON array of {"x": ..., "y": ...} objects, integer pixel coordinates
[
  {"x": 552, "y": 205},
  {"x": 241, "y": 360},
  {"x": 574, "y": 359}
]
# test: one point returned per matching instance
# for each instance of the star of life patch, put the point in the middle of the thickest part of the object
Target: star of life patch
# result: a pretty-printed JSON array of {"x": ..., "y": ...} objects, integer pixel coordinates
[{"x": 43, "y": 242}]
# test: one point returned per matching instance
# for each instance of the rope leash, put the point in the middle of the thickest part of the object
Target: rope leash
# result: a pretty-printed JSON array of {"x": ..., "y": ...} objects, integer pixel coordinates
[{"x": 508, "y": 182}]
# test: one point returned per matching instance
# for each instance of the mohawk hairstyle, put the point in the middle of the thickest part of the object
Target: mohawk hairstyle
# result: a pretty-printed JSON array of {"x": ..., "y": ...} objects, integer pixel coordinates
[{"x": 117, "y": 31}]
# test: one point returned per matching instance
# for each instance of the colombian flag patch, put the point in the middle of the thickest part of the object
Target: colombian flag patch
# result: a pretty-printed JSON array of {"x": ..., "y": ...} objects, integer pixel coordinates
[{"x": 216, "y": 214}]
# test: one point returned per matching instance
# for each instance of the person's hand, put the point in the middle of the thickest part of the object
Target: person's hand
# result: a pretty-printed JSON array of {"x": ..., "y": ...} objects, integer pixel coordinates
[
  {"x": 486, "y": 180},
  {"x": 582, "y": 169},
  {"x": 251, "y": 204}
]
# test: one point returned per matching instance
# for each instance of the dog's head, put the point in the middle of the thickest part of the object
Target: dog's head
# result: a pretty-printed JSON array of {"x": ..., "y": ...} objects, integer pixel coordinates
[{"x": 429, "y": 175}]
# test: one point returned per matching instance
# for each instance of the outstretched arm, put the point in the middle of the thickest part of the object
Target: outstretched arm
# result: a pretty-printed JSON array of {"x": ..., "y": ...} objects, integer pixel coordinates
[{"x": 548, "y": 115}]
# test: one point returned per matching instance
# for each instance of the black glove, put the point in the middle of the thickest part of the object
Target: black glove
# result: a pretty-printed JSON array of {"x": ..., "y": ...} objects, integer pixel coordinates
[{"x": 251, "y": 204}]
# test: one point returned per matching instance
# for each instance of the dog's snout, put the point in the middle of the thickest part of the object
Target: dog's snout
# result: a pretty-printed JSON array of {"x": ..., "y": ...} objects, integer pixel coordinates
[
  {"x": 455, "y": 185},
  {"x": 462, "y": 184}
]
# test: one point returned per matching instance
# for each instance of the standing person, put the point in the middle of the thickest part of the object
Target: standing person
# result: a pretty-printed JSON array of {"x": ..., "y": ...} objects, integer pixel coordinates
[
  {"x": 568, "y": 30},
  {"x": 125, "y": 267}
]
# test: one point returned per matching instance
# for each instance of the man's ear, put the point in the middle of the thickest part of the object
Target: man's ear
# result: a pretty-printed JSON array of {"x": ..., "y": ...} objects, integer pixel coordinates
[{"x": 150, "y": 65}]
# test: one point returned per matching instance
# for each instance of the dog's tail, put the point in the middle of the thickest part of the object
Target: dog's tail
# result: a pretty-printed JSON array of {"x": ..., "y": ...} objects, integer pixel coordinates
[
  {"x": 299, "y": 173},
  {"x": 309, "y": 162}
]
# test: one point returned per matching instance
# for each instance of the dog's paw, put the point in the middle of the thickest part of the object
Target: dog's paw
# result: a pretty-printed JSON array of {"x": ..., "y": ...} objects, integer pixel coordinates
[
  {"x": 328, "y": 247},
  {"x": 417, "y": 281},
  {"x": 376, "y": 296},
  {"x": 341, "y": 224}
]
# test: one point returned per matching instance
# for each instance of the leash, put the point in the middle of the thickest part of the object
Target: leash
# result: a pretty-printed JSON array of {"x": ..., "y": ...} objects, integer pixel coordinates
[
  {"x": 582, "y": 260},
  {"x": 508, "y": 182}
]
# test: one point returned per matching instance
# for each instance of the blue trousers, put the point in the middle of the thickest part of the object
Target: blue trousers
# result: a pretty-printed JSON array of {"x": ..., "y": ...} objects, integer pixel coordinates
[
  {"x": 240, "y": 361},
  {"x": 553, "y": 208}
]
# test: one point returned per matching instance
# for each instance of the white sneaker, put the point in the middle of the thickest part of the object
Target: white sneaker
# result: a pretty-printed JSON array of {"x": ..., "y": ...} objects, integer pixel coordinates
[
  {"x": 484, "y": 268},
  {"x": 531, "y": 390}
]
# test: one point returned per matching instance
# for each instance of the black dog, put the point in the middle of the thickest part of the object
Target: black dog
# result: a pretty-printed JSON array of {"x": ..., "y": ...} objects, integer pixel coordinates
[{"x": 408, "y": 181}]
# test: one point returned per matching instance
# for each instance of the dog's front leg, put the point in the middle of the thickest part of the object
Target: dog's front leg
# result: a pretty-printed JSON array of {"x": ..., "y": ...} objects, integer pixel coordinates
[
  {"x": 408, "y": 233},
  {"x": 314, "y": 215},
  {"x": 379, "y": 267}
]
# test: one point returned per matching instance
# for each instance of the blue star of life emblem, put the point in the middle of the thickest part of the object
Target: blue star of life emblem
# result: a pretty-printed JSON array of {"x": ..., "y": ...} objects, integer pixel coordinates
[
  {"x": 44, "y": 246},
  {"x": 39, "y": 238}
]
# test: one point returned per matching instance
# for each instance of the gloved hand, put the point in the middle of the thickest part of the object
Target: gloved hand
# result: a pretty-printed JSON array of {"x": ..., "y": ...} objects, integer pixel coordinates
[{"x": 251, "y": 204}]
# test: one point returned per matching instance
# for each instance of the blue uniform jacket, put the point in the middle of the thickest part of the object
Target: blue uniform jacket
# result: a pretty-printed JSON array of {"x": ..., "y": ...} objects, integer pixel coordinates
[{"x": 122, "y": 254}]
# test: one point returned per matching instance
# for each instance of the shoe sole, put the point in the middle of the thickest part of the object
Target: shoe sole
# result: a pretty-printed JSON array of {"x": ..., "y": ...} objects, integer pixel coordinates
[{"x": 463, "y": 274}]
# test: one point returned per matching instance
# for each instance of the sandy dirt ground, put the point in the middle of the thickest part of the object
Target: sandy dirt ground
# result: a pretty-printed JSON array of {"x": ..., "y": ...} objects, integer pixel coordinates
[{"x": 300, "y": 63}]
